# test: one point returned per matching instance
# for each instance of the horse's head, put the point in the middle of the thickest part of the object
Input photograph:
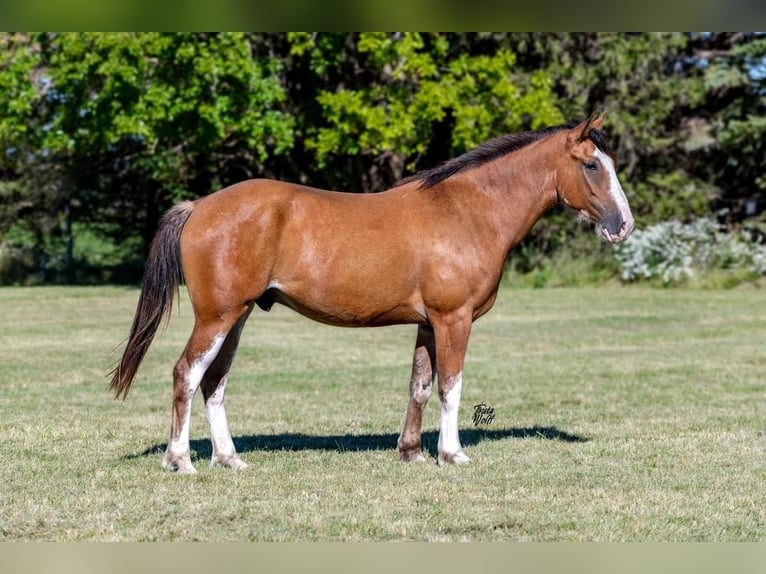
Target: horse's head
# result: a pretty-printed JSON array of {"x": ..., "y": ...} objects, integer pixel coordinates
[{"x": 587, "y": 181}]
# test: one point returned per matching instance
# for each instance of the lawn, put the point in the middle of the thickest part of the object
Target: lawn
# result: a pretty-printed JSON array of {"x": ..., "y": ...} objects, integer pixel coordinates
[{"x": 619, "y": 414}]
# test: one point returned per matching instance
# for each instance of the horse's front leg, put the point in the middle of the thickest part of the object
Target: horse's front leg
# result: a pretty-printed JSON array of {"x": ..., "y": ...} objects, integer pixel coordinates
[
  {"x": 451, "y": 343},
  {"x": 408, "y": 446}
]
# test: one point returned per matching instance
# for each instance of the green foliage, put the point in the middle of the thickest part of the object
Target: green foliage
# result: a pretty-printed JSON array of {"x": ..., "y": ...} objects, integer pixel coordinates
[
  {"x": 121, "y": 125},
  {"x": 17, "y": 265},
  {"x": 414, "y": 81},
  {"x": 177, "y": 98},
  {"x": 107, "y": 130},
  {"x": 735, "y": 81},
  {"x": 18, "y": 92},
  {"x": 582, "y": 261},
  {"x": 670, "y": 195}
]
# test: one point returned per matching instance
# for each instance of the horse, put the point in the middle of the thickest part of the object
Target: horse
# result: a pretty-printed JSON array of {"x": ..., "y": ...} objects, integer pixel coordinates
[{"x": 430, "y": 251}]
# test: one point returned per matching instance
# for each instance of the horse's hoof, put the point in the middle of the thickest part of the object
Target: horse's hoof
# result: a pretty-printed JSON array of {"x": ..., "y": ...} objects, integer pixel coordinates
[
  {"x": 180, "y": 468},
  {"x": 458, "y": 457},
  {"x": 411, "y": 455},
  {"x": 229, "y": 462},
  {"x": 179, "y": 465}
]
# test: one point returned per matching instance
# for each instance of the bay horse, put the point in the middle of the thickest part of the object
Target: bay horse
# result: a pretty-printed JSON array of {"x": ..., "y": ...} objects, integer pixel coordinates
[{"x": 429, "y": 251}]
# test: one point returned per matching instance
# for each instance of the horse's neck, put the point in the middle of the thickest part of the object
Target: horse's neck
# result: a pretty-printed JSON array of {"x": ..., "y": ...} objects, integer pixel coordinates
[{"x": 519, "y": 188}]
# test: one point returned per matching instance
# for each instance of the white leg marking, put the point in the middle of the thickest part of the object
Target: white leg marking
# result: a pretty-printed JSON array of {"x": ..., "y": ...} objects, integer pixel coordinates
[
  {"x": 421, "y": 395},
  {"x": 449, "y": 441},
  {"x": 224, "y": 452},
  {"x": 180, "y": 447}
]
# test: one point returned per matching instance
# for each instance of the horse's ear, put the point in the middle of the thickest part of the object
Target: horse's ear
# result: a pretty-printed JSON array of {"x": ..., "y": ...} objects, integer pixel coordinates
[
  {"x": 599, "y": 121},
  {"x": 580, "y": 131}
]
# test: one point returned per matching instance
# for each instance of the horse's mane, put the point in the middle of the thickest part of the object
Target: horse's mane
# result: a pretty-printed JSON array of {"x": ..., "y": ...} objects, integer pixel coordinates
[{"x": 494, "y": 149}]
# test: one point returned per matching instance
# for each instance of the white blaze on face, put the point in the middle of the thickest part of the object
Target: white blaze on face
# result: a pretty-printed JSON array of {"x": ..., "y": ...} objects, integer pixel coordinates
[{"x": 618, "y": 195}]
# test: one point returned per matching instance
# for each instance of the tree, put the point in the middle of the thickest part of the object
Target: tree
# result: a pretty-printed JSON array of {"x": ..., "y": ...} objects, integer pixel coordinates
[
  {"x": 114, "y": 128},
  {"x": 135, "y": 122},
  {"x": 382, "y": 105},
  {"x": 731, "y": 126}
]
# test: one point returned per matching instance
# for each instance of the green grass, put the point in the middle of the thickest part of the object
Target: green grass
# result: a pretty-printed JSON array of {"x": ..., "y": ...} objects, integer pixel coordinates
[{"x": 620, "y": 414}]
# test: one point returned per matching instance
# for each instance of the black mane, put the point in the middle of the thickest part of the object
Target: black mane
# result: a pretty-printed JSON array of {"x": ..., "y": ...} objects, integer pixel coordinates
[{"x": 494, "y": 149}]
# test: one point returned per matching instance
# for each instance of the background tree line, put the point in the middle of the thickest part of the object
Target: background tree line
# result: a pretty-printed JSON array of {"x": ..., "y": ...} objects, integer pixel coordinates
[{"x": 101, "y": 132}]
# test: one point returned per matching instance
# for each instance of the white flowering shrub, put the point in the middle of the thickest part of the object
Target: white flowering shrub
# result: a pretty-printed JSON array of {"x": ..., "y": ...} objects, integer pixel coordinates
[
  {"x": 672, "y": 251},
  {"x": 758, "y": 264}
]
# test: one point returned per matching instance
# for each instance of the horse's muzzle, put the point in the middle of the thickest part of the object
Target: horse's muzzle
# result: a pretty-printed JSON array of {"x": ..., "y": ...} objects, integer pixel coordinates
[{"x": 618, "y": 228}]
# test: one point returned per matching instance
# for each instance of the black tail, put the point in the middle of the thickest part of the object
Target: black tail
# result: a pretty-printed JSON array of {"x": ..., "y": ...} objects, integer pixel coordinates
[{"x": 162, "y": 276}]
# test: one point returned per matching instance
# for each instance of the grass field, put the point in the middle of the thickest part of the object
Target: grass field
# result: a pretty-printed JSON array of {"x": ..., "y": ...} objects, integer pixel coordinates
[{"x": 620, "y": 414}]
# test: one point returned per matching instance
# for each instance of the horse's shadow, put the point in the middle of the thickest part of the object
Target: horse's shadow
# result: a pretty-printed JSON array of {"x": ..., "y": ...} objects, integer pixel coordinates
[{"x": 201, "y": 448}]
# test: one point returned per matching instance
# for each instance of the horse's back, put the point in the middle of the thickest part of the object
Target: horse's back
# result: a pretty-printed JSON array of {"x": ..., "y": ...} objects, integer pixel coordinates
[{"x": 337, "y": 257}]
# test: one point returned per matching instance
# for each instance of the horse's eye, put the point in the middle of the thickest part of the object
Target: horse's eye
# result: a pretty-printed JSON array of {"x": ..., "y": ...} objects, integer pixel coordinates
[{"x": 591, "y": 165}]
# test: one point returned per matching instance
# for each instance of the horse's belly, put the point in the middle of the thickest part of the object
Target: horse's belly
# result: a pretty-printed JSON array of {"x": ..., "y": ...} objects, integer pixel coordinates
[{"x": 345, "y": 310}]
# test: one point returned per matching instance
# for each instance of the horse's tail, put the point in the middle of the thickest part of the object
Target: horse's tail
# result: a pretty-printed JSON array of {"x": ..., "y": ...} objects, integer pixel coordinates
[{"x": 162, "y": 276}]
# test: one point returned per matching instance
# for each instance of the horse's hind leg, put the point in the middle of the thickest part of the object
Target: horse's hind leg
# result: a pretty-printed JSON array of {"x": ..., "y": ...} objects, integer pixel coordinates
[
  {"x": 206, "y": 341},
  {"x": 213, "y": 389},
  {"x": 421, "y": 383}
]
